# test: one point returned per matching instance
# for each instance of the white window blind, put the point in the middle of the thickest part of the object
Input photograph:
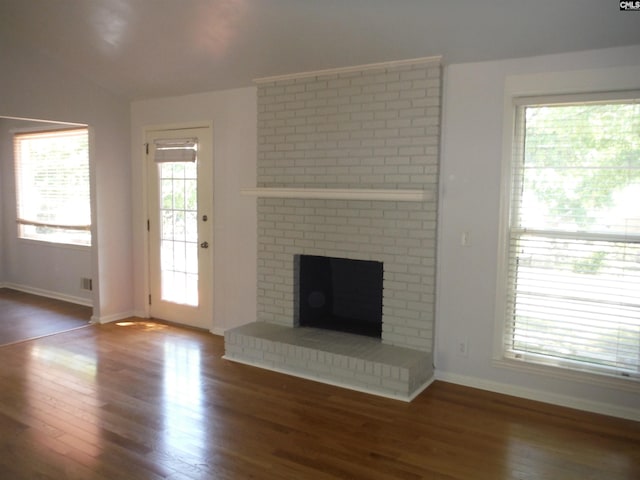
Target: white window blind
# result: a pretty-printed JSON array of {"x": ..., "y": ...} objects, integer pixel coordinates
[
  {"x": 574, "y": 237},
  {"x": 52, "y": 186},
  {"x": 175, "y": 150}
]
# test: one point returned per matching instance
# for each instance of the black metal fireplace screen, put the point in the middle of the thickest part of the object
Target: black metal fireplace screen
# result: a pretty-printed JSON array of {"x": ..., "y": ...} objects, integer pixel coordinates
[{"x": 340, "y": 294}]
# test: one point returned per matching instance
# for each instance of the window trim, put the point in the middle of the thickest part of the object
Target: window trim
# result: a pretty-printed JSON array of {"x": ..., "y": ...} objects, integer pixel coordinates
[
  {"x": 18, "y": 221},
  {"x": 548, "y": 367},
  {"x": 56, "y": 245}
]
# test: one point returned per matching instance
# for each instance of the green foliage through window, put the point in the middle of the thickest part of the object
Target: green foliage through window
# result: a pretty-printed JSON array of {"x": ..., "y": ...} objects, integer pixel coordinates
[{"x": 574, "y": 245}]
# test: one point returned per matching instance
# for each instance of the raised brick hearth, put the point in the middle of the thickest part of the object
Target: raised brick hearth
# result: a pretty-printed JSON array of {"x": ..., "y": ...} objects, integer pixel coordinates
[{"x": 351, "y": 361}]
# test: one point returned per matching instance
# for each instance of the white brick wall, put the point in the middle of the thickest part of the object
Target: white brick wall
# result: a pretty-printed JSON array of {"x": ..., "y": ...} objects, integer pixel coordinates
[{"x": 375, "y": 129}]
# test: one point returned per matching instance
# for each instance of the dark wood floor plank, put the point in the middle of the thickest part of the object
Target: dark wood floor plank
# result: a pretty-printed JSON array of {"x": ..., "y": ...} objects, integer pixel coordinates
[
  {"x": 154, "y": 401},
  {"x": 24, "y": 316}
]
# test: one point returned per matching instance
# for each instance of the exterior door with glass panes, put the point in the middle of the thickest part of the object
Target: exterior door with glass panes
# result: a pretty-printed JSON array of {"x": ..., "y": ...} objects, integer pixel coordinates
[{"x": 180, "y": 225}]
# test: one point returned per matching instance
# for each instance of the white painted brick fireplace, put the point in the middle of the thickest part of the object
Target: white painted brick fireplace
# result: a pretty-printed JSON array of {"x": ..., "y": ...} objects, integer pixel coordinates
[{"x": 348, "y": 167}]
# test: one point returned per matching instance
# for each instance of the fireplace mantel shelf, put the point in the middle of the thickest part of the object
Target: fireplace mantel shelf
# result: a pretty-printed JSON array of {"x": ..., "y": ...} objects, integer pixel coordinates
[{"x": 396, "y": 195}]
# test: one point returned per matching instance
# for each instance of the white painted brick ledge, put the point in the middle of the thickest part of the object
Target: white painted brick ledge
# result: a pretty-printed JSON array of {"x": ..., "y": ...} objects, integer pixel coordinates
[{"x": 398, "y": 195}]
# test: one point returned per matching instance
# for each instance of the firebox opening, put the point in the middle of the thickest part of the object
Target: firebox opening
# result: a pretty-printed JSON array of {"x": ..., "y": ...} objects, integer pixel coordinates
[{"x": 340, "y": 294}]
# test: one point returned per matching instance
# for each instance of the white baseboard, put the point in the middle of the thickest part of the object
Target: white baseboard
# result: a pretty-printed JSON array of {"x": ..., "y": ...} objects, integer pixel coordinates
[
  {"x": 87, "y": 302},
  {"x": 422, "y": 388},
  {"x": 112, "y": 318},
  {"x": 140, "y": 314},
  {"x": 217, "y": 331},
  {"x": 541, "y": 396}
]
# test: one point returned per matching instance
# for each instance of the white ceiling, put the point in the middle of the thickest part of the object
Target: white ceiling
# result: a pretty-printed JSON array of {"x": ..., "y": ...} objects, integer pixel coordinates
[{"x": 155, "y": 48}]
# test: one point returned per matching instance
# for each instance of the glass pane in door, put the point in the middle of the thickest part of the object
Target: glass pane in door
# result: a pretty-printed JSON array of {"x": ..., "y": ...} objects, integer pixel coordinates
[{"x": 179, "y": 232}]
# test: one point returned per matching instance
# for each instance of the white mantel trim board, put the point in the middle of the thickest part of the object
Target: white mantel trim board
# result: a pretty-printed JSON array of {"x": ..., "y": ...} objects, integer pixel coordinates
[
  {"x": 435, "y": 60},
  {"x": 341, "y": 194}
]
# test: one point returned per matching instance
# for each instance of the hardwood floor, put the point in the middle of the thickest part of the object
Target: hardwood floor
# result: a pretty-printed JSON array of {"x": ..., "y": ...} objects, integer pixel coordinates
[
  {"x": 143, "y": 400},
  {"x": 24, "y": 316}
]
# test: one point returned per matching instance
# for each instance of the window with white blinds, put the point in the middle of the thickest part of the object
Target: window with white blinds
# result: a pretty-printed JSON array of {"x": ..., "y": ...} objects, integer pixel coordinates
[
  {"x": 573, "y": 276},
  {"x": 52, "y": 186}
]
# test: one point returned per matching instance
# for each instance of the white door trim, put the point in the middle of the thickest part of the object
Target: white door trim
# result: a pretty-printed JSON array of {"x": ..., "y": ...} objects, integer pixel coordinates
[{"x": 144, "y": 187}]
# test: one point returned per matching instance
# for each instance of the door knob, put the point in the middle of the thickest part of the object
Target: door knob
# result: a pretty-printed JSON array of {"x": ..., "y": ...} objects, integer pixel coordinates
[{"x": 204, "y": 245}]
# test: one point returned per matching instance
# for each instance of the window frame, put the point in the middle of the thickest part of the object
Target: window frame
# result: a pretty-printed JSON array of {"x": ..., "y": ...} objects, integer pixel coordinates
[
  {"x": 512, "y": 153},
  {"x": 18, "y": 223}
]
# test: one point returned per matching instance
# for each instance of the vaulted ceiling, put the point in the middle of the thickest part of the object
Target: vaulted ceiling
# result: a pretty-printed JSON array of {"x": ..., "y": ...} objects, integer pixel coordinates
[{"x": 154, "y": 48}]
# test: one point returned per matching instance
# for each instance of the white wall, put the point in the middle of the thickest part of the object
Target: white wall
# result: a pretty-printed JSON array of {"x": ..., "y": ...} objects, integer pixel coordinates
[
  {"x": 34, "y": 87},
  {"x": 44, "y": 268},
  {"x": 472, "y": 143},
  {"x": 3, "y": 188},
  {"x": 234, "y": 114}
]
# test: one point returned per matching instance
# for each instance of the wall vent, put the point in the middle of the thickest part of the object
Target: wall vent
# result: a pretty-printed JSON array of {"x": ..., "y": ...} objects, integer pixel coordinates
[{"x": 86, "y": 284}]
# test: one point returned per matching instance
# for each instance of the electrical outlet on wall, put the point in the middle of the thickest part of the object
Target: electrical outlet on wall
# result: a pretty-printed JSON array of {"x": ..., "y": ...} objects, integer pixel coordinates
[
  {"x": 463, "y": 347},
  {"x": 465, "y": 239}
]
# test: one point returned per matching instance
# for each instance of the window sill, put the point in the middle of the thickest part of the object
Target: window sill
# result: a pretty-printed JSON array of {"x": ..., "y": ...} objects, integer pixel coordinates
[
  {"x": 46, "y": 244},
  {"x": 628, "y": 384}
]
